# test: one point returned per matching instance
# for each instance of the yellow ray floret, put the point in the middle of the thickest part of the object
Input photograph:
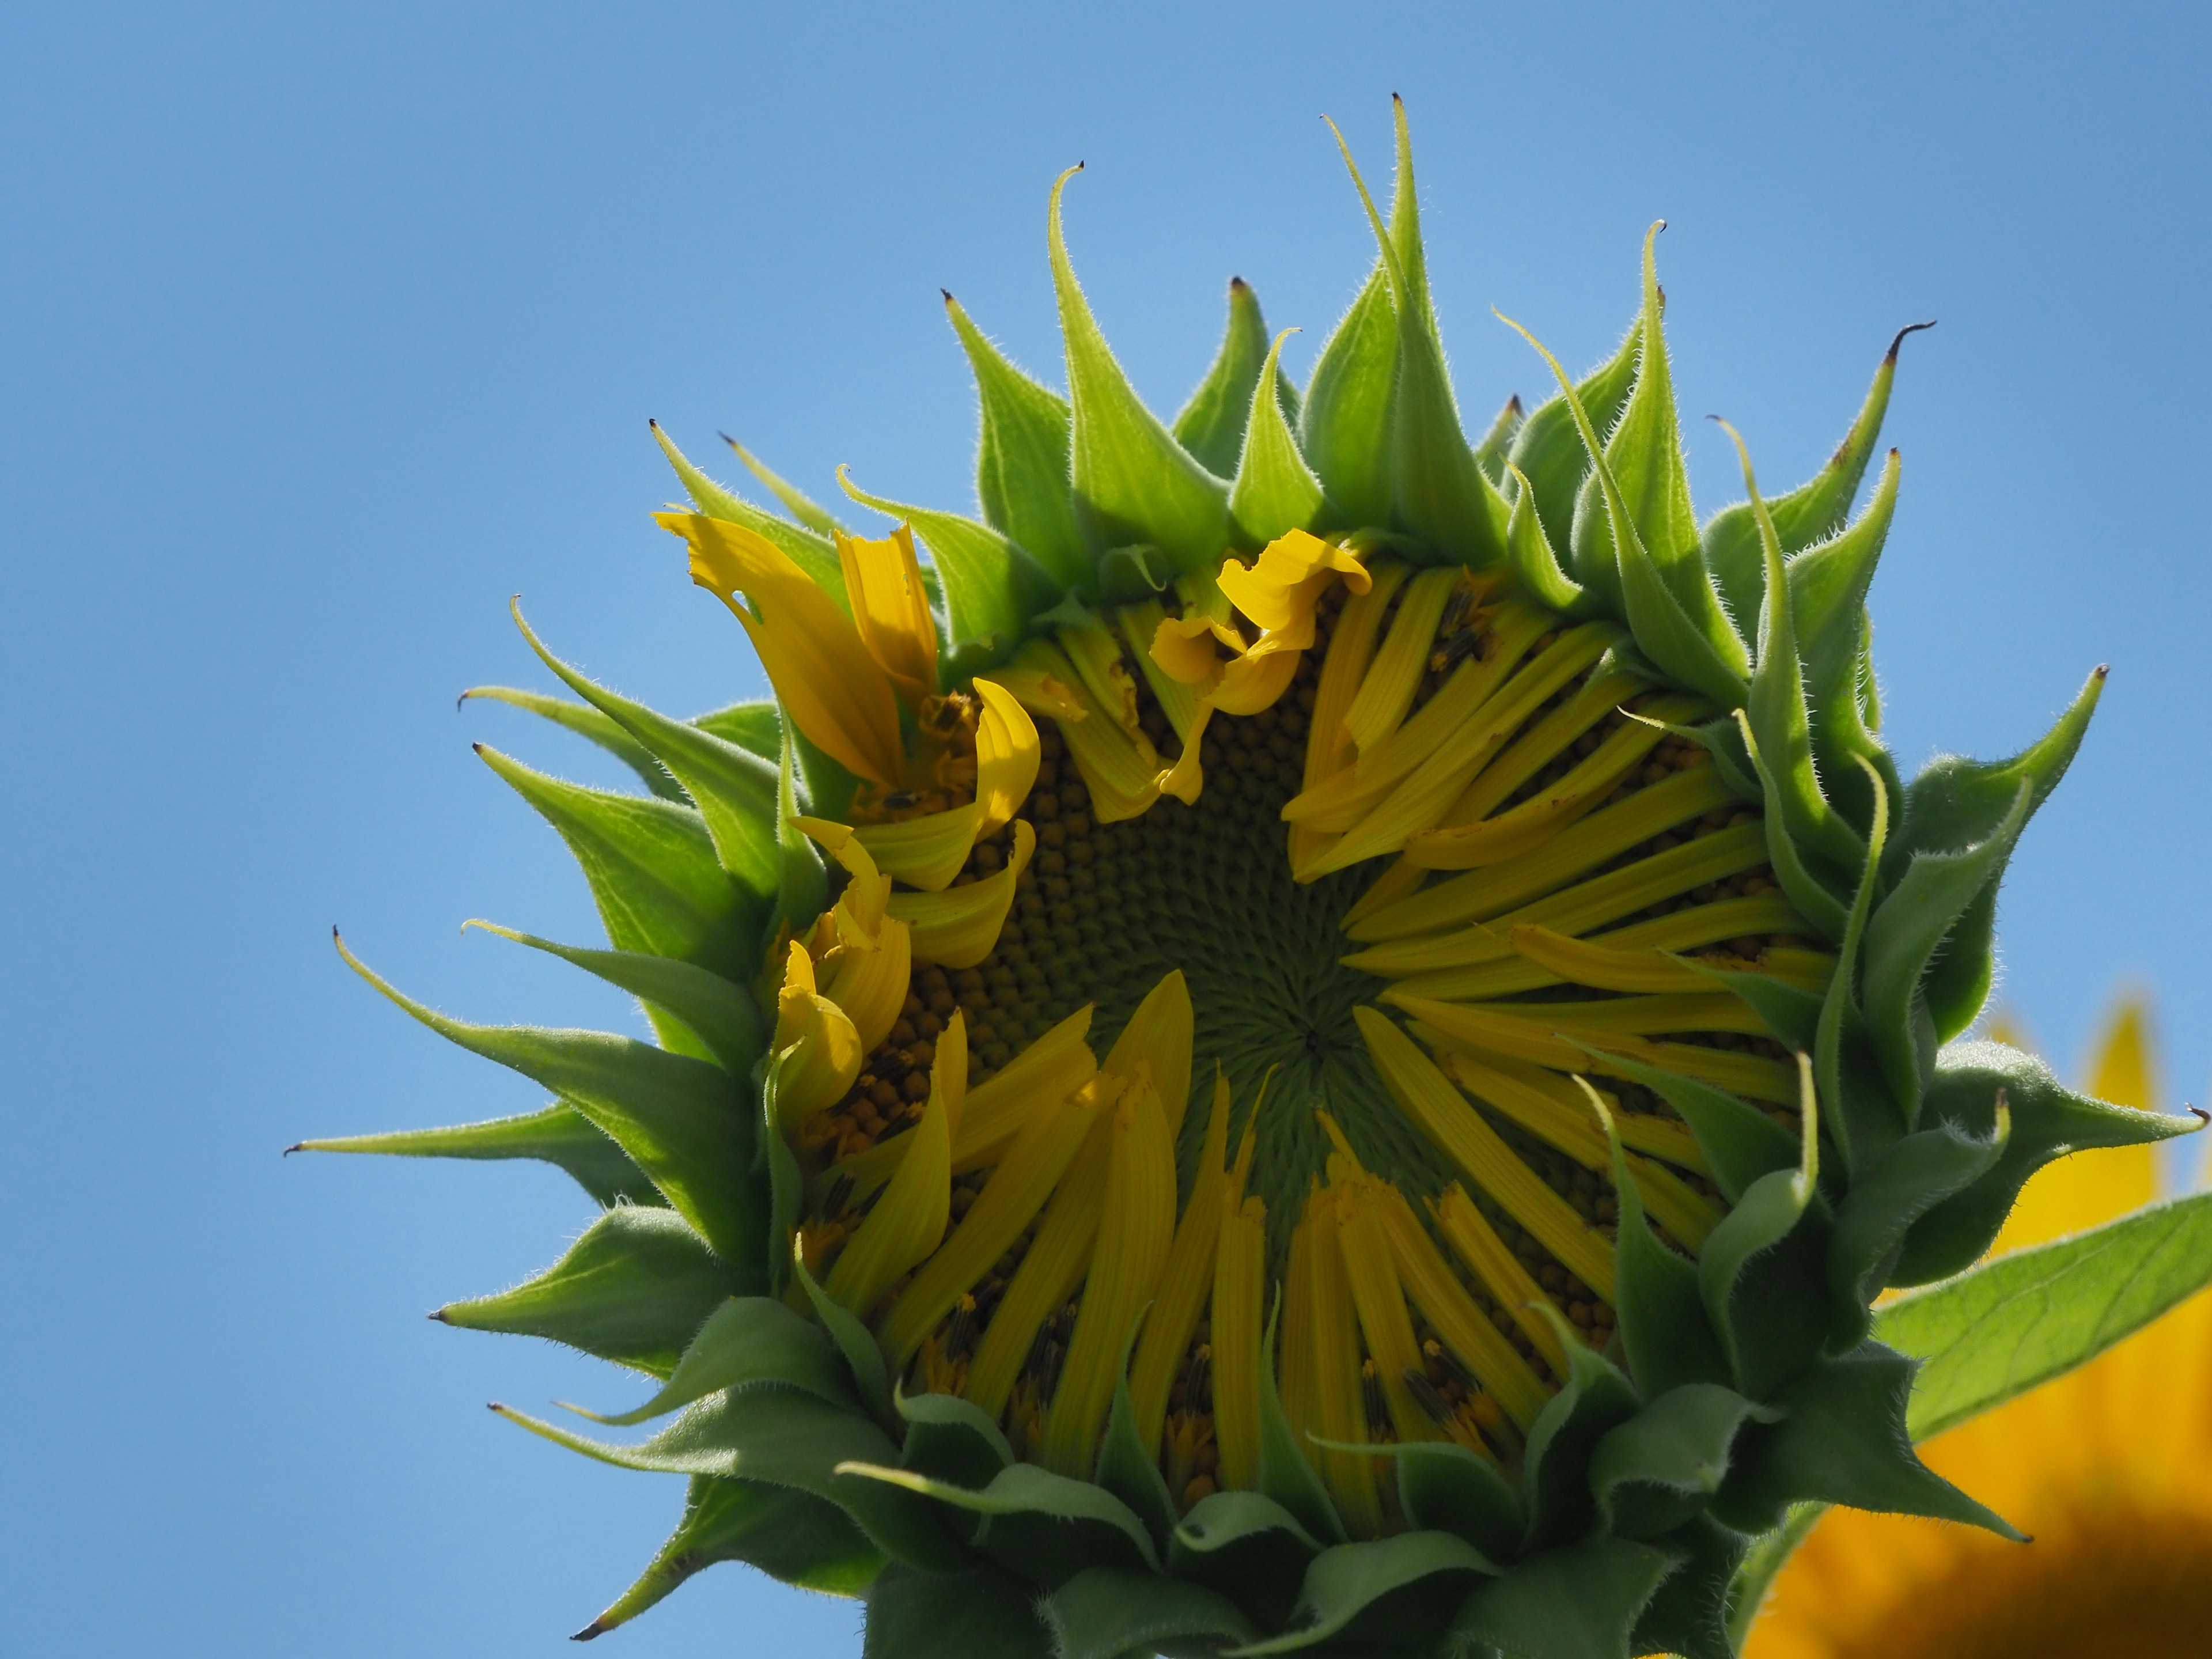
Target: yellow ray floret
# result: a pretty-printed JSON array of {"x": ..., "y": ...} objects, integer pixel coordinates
[
  {"x": 1327, "y": 1351},
  {"x": 1278, "y": 590},
  {"x": 816, "y": 1047},
  {"x": 957, "y": 928},
  {"x": 824, "y": 675},
  {"x": 863, "y": 956},
  {"x": 908, "y": 1221},
  {"x": 891, "y": 610},
  {"x": 1155, "y": 1043},
  {"x": 1187, "y": 1280}
]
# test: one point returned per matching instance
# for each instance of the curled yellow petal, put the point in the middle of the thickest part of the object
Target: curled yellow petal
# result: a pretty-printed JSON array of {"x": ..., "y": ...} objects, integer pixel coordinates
[
  {"x": 1257, "y": 681},
  {"x": 871, "y": 986},
  {"x": 1042, "y": 691},
  {"x": 1278, "y": 589},
  {"x": 1095, "y": 656},
  {"x": 891, "y": 610},
  {"x": 925, "y": 852},
  {"x": 822, "y": 673},
  {"x": 908, "y": 1221},
  {"x": 1006, "y": 755},
  {"x": 1183, "y": 646},
  {"x": 1136, "y": 1225},
  {"x": 1119, "y": 765},
  {"x": 816, "y": 1043},
  {"x": 957, "y": 928}
]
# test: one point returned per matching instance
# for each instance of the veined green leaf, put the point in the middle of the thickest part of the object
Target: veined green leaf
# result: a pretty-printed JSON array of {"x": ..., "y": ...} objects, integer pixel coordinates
[
  {"x": 634, "y": 1289},
  {"x": 1812, "y": 512},
  {"x": 652, "y": 871},
  {"x": 1549, "y": 453},
  {"x": 1021, "y": 462},
  {"x": 810, "y": 552},
  {"x": 588, "y": 722},
  {"x": 1105, "y": 1614},
  {"x": 683, "y": 1119},
  {"x": 792, "y": 1536},
  {"x": 559, "y": 1135},
  {"x": 1275, "y": 492},
  {"x": 733, "y": 789},
  {"x": 795, "y": 501},
  {"x": 1212, "y": 425},
  {"x": 1344, "y": 430},
  {"x": 719, "y": 1015},
  {"x": 746, "y": 1342},
  {"x": 2019, "y": 1320},
  {"x": 981, "y": 1612},
  {"x": 1133, "y": 481},
  {"x": 991, "y": 588}
]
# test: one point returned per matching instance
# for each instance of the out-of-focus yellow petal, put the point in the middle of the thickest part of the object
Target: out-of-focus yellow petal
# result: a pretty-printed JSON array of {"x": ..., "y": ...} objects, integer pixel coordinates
[
  {"x": 1006, "y": 755},
  {"x": 822, "y": 673},
  {"x": 1187, "y": 1280},
  {"x": 1155, "y": 1043},
  {"x": 890, "y": 609},
  {"x": 908, "y": 1221},
  {"x": 1136, "y": 1226},
  {"x": 816, "y": 1043},
  {"x": 957, "y": 928},
  {"x": 1016, "y": 1190},
  {"x": 1278, "y": 589}
]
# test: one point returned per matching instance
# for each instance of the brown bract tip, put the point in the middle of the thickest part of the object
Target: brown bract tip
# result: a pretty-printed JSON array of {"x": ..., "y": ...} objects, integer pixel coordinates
[
  {"x": 439, "y": 1314},
  {"x": 652, "y": 423},
  {"x": 1513, "y": 403},
  {"x": 1238, "y": 285},
  {"x": 947, "y": 293},
  {"x": 476, "y": 748},
  {"x": 2103, "y": 669},
  {"x": 2198, "y": 1112},
  {"x": 1910, "y": 328},
  {"x": 597, "y": 1628},
  {"x": 297, "y": 1146}
]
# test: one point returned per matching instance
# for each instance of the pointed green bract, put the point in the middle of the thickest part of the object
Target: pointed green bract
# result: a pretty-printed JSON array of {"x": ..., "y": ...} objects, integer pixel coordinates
[
  {"x": 1344, "y": 427},
  {"x": 1102, "y": 1614},
  {"x": 1548, "y": 450},
  {"x": 1578, "y": 1602},
  {"x": 1212, "y": 425},
  {"x": 748, "y": 1342},
  {"x": 559, "y": 1135},
  {"x": 1022, "y": 462},
  {"x": 810, "y": 552},
  {"x": 802, "y": 887},
  {"x": 634, "y": 1289},
  {"x": 1528, "y": 551},
  {"x": 1402, "y": 1589},
  {"x": 795, "y": 501},
  {"x": 1491, "y": 452},
  {"x": 991, "y": 588},
  {"x": 1133, "y": 481},
  {"x": 757, "y": 726},
  {"x": 588, "y": 722},
  {"x": 1276, "y": 491}
]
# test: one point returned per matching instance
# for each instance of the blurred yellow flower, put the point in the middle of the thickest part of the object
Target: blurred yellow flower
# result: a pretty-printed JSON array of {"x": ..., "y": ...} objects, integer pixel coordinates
[{"x": 2109, "y": 1470}]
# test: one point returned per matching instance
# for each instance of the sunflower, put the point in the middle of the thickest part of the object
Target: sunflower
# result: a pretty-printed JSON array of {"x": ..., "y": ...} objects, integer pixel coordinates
[
  {"x": 1315, "y": 1034},
  {"x": 2110, "y": 1469}
]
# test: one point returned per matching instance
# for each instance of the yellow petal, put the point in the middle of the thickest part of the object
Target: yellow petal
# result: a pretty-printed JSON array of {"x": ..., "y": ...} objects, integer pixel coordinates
[
  {"x": 1119, "y": 766},
  {"x": 1239, "y": 1280},
  {"x": 1387, "y": 692},
  {"x": 1383, "y": 1321},
  {"x": 908, "y": 1221},
  {"x": 1257, "y": 681},
  {"x": 822, "y": 673},
  {"x": 925, "y": 852},
  {"x": 1042, "y": 692},
  {"x": 1509, "y": 1284},
  {"x": 1185, "y": 648},
  {"x": 957, "y": 928},
  {"x": 1006, "y": 755},
  {"x": 1024, "y": 1179},
  {"x": 1140, "y": 625},
  {"x": 1155, "y": 1043},
  {"x": 890, "y": 609},
  {"x": 1095, "y": 656},
  {"x": 1332, "y": 1361},
  {"x": 1136, "y": 1226},
  {"x": 816, "y": 1043},
  {"x": 1278, "y": 589},
  {"x": 1187, "y": 1280},
  {"x": 1046, "y": 1071},
  {"x": 872, "y": 986}
]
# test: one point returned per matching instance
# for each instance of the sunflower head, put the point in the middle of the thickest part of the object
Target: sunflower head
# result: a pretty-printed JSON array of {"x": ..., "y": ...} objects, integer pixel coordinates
[{"x": 1318, "y": 1035}]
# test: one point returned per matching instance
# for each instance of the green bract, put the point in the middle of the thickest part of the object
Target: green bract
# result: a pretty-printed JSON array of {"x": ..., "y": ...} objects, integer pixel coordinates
[{"x": 1396, "y": 1333}]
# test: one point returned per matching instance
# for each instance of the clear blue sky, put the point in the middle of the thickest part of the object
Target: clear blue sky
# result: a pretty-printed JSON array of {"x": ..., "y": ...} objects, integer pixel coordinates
[{"x": 324, "y": 328}]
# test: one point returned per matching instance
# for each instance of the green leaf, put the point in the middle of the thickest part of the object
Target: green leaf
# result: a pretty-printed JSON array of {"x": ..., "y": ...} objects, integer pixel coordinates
[
  {"x": 634, "y": 1288},
  {"x": 1021, "y": 463},
  {"x": 757, "y": 726},
  {"x": 1276, "y": 491},
  {"x": 588, "y": 722},
  {"x": 559, "y": 1135},
  {"x": 810, "y": 552},
  {"x": 795, "y": 501},
  {"x": 1439, "y": 494},
  {"x": 992, "y": 586},
  {"x": 2016, "y": 1321},
  {"x": 1841, "y": 1440},
  {"x": 863, "y": 1360},
  {"x": 659, "y": 890},
  {"x": 1828, "y": 585},
  {"x": 1402, "y": 1590},
  {"x": 1548, "y": 451},
  {"x": 951, "y": 1439},
  {"x": 1595, "y": 1399},
  {"x": 747, "y": 1342},
  {"x": 787, "y": 1187},
  {"x": 733, "y": 789},
  {"x": 1863, "y": 1119},
  {"x": 979, "y": 1613},
  {"x": 1810, "y": 513},
  {"x": 1901, "y": 1187},
  {"x": 719, "y": 1014},
  {"x": 1344, "y": 431},
  {"x": 1249, "y": 1548},
  {"x": 1659, "y": 1468},
  {"x": 2049, "y": 1121},
  {"x": 1043, "y": 1526},
  {"x": 1133, "y": 481},
  {"x": 683, "y": 1119},
  {"x": 1792, "y": 1015},
  {"x": 1212, "y": 425},
  {"x": 1285, "y": 1477},
  {"x": 1578, "y": 1602},
  {"x": 792, "y": 1536},
  {"x": 1806, "y": 883},
  {"x": 1105, "y": 1614},
  {"x": 785, "y": 1439}
]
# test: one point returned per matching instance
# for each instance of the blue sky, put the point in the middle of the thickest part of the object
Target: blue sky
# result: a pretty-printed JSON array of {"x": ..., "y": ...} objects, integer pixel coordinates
[{"x": 326, "y": 329}]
